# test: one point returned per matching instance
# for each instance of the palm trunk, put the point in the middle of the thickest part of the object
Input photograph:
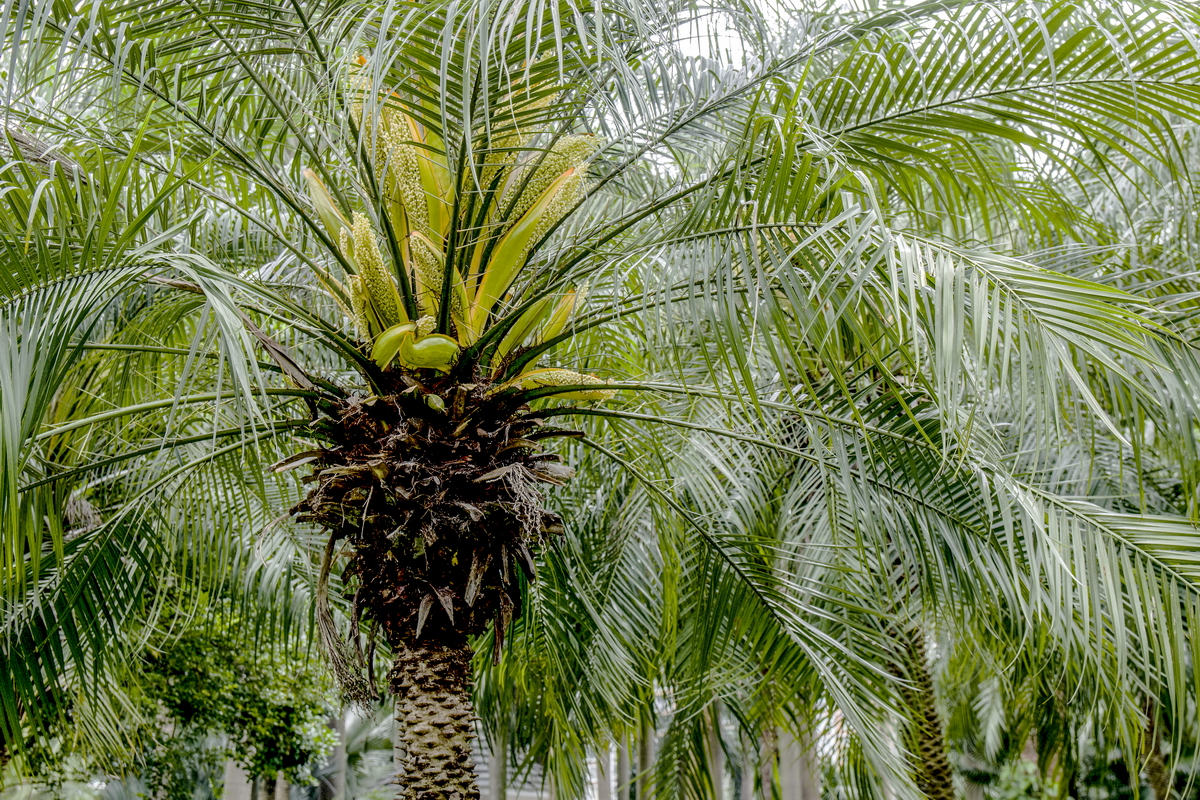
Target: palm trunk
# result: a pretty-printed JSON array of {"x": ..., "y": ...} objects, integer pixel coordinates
[
  {"x": 624, "y": 769},
  {"x": 646, "y": 752},
  {"x": 237, "y": 783},
  {"x": 1156, "y": 769},
  {"x": 498, "y": 765},
  {"x": 335, "y": 787},
  {"x": 716, "y": 753},
  {"x": 604, "y": 773},
  {"x": 799, "y": 769},
  {"x": 434, "y": 723},
  {"x": 766, "y": 765},
  {"x": 924, "y": 737},
  {"x": 746, "y": 784}
]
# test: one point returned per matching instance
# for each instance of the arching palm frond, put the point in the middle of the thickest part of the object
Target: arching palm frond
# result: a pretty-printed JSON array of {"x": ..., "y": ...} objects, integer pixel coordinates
[{"x": 468, "y": 209}]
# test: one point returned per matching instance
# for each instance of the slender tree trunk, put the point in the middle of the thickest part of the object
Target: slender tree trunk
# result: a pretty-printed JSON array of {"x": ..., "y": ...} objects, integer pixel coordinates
[
  {"x": 237, "y": 783},
  {"x": 335, "y": 787},
  {"x": 1156, "y": 770},
  {"x": 924, "y": 737},
  {"x": 766, "y": 765},
  {"x": 604, "y": 773},
  {"x": 799, "y": 770},
  {"x": 498, "y": 766},
  {"x": 434, "y": 723},
  {"x": 746, "y": 785},
  {"x": 646, "y": 746},
  {"x": 716, "y": 753},
  {"x": 624, "y": 769}
]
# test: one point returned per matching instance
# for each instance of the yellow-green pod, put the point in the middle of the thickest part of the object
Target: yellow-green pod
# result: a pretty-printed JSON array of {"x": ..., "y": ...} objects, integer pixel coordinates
[
  {"x": 429, "y": 352},
  {"x": 553, "y": 376},
  {"x": 331, "y": 216},
  {"x": 387, "y": 344},
  {"x": 511, "y": 251},
  {"x": 523, "y": 327},
  {"x": 560, "y": 317}
]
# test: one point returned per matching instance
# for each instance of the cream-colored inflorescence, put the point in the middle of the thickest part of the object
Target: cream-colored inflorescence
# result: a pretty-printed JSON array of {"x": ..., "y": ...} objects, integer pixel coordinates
[
  {"x": 404, "y": 174},
  {"x": 426, "y": 325},
  {"x": 375, "y": 276},
  {"x": 427, "y": 264},
  {"x": 566, "y": 377},
  {"x": 566, "y": 153}
]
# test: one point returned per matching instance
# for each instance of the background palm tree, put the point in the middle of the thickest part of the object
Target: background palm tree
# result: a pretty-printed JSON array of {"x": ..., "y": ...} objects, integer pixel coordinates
[{"x": 782, "y": 256}]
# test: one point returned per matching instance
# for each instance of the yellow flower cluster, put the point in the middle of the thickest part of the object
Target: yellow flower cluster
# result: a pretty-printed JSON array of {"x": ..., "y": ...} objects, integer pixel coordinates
[{"x": 531, "y": 188}]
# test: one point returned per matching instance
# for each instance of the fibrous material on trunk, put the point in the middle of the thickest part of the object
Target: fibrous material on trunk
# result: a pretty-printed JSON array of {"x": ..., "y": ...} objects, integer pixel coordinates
[
  {"x": 430, "y": 492},
  {"x": 923, "y": 735},
  {"x": 435, "y": 494}
]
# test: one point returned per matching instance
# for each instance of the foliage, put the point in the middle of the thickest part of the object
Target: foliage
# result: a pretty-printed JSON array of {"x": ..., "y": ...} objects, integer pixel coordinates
[
  {"x": 207, "y": 690},
  {"x": 856, "y": 281},
  {"x": 269, "y": 699}
]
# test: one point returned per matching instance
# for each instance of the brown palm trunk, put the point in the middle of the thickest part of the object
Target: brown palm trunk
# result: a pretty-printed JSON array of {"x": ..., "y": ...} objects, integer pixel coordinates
[
  {"x": 434, "y": 723},
  {"x": 1156, "y": 769},
  {"x": 923, "y": 735}
]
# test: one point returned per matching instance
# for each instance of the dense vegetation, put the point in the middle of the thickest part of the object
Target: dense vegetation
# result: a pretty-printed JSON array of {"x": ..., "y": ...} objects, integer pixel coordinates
[{"x": 817, "y": 399}]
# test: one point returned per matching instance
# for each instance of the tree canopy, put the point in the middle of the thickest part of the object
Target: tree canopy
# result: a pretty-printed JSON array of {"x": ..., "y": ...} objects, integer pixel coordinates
[{"x": 882, "y": 325}]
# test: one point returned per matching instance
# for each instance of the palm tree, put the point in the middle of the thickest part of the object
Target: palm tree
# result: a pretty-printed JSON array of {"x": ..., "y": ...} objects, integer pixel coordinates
[{"x": 437, "y": 220}]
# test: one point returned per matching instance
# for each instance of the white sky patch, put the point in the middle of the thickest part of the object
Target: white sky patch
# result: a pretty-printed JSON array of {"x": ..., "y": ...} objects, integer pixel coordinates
[{"x": 716, "y": 35}]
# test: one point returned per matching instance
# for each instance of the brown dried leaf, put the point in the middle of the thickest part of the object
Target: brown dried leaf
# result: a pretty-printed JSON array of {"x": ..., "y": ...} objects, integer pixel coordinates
[{"x": 423, "y": 612}]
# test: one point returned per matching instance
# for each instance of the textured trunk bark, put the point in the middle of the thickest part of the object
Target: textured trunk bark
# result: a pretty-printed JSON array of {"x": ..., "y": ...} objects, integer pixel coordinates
[
  {"x": 924, "y": 737},
  {"x": 1156, "y": 769},
  {"x": 1156, "y": 775},
  {"x": 434, "y": 723}
]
